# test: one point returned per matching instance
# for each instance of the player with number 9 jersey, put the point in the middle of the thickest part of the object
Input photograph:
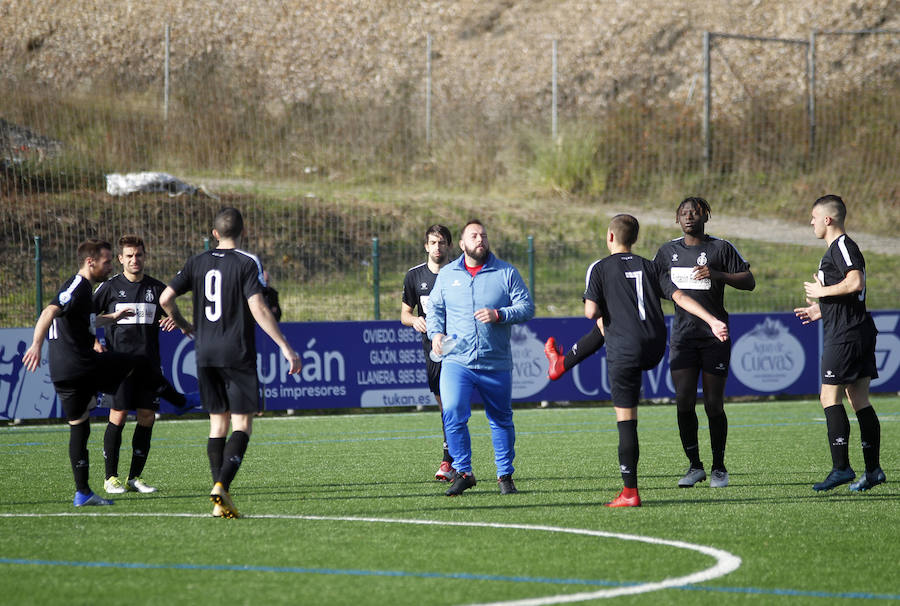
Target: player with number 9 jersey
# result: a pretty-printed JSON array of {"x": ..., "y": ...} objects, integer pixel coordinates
[{"x": 222, "y": 280}]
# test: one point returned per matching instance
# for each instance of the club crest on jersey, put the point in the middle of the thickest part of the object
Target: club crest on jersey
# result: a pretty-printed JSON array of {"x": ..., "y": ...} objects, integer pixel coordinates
[
  {"x": 674, "y": 257},
  {"x": 148, "y": 296},
  {"x": 423, "y": 285},
  {"x": 121, "y": 294},
  {"x": 702, "y": 260}
]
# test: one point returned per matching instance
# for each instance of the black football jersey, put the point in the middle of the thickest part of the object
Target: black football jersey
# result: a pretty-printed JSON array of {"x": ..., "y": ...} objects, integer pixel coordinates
[
  {"x": 627, "y": 288},
  {"x": 417, "y": 287},
  {"x": 71, "y": 334},
  {"x": 843, "y": 317},
  {"x": 137, "y": 334},
  {"x": 677, "y": 260},
  {"x": 222, "y": 280}
]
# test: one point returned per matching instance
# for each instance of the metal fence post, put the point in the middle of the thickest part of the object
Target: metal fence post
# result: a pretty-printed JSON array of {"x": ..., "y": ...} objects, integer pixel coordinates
[
  {"x": 38, "y": 278},
  {"x": 531, "y": 265},
  {"x": 375, "y": 279},
  {"x": 166, "y": 79},
  {"x": 428, "y": 93},
  {"x": 811, "y": 85},
  {"x": 707, "y": 103},
  {"x": 554, "y": 119},
  {"x": 206, "y": 243}
]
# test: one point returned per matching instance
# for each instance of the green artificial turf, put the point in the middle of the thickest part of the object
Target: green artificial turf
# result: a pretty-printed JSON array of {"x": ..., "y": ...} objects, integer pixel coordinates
[{"x": 301, "y": 474}]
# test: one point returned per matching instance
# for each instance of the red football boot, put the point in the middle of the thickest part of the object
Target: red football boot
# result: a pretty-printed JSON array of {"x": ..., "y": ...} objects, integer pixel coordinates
[
  {"x": 627, "y": 498},
  {"x": 554, "y": 355}
]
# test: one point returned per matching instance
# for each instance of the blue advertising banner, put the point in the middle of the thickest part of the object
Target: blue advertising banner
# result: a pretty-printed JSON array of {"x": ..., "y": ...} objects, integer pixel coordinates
[{"x": 379, "y": 364}]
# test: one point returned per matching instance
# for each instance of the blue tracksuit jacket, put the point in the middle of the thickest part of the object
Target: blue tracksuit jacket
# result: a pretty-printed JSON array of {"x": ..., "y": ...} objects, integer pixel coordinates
[{"x": 455, "y": 297}]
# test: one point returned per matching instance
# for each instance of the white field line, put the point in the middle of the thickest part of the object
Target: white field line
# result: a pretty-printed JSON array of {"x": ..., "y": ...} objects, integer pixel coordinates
[{"x": 725, "y": 562}]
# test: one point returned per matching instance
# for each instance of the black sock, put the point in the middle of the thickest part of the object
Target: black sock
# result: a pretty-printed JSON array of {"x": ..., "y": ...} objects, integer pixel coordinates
[
  {"x": 112, "y": 442},
  {"x": 586, "y": 345},
  {"x": 838, "y": 435},
  {"x": 78, "y": 455},
  {"x": 687, "y": 429},
  {"x": 215, "y": 449},
  {"x": 718, "y": 435},
  {"x": 234, "y": 455},
  {"x": 629, "y": 452},
  {"x": 140, "y": 447},
  {"x": 870, "y": 435}
]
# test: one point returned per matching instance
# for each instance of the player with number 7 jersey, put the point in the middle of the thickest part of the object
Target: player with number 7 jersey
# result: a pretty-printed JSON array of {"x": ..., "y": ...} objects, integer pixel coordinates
[{"x": 622, "y": 295}]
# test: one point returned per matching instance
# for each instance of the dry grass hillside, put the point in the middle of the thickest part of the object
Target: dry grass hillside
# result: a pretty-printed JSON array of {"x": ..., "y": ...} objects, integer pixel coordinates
[{"x": 493, "y": 52}]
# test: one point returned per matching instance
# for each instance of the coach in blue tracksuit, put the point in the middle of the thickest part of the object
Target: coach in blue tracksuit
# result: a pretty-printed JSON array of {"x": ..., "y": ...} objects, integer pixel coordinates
[{"x": 478, "y": 297}]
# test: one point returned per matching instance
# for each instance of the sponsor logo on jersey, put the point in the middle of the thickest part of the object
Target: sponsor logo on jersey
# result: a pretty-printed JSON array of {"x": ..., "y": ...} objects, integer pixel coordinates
[
  {"x": 143, "y": 313},
  {"x": 683, "y": 278},
  {"x": 829, "y": 374},
  {"x": 456, "y": 283}
]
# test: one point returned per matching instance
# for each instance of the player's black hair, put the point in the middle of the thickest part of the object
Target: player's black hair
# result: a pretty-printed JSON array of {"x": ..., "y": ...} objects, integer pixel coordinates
[
  {"x": 229, "y": 223},
  {"x": 92, "y": 248},
  {"x": 132, "y": 241},
  {"x": 837, "y": 210},
  {"x": 439, "y": 230},
  {"x": 625, "y": 228},
  {"x": 700, "y": 202}
]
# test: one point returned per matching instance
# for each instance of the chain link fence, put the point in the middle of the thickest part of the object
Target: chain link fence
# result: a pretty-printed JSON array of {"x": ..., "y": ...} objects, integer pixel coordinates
[{"x": 318, "y": 177}]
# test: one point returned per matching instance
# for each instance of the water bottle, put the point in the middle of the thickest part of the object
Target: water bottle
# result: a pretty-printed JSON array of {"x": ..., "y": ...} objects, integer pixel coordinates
[{"x": 448, "y": 344}]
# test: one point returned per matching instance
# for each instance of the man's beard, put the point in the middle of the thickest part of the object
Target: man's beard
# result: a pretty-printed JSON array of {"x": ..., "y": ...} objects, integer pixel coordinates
[{"x": 477, "y": 255}]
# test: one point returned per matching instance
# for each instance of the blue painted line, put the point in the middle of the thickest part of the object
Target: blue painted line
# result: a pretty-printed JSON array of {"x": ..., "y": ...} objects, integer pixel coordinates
[
  {"x": 304, "y": 570},
  {"x": 438, "y": 575},
  {"x": 855, "y": 595}
]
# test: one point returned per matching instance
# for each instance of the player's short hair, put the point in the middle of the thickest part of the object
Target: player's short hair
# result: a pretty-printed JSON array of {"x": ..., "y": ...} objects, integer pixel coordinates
[
  {"x": 229, "y": 223},
  {"x": 625, "y": 228},
  {"x": 91, "y": 248},
  {"x": 438, "y": 230},
  {"x": 471, "y": 222},
  {"x": 697, "y": 201},
  {"x": 131, "y": 241},
  {"x": 834, "y": 207}
]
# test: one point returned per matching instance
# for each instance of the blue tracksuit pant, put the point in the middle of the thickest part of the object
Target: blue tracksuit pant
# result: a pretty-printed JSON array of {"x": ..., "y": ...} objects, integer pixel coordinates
[{"x": 495, "y": 388}]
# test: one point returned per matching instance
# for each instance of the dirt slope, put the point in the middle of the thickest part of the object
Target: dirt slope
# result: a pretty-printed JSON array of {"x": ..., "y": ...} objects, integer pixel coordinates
[{"x": 494, "y": 52}]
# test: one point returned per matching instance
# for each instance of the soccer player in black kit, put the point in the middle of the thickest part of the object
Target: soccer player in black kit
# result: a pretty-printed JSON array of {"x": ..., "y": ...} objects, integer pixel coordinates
[
  {"x": 848, "y": 352},
  {"x": 77, "y": 371},
  {"x": 701, "y": 266},
  {"x": 623, "y": 293},
  {"x": 137, "y": 334},
  {"x": 417, "y": 285},
  {"x": 227, "y": 285}
]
